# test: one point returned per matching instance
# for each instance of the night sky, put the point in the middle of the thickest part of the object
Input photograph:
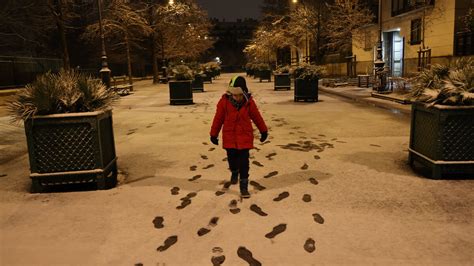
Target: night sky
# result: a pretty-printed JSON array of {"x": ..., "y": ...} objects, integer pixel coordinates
[{"x": 230, "y": 10}]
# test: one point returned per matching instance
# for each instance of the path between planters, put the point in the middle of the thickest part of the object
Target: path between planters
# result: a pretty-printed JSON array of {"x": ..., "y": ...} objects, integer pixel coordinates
[{"x": 331, "y": 185}]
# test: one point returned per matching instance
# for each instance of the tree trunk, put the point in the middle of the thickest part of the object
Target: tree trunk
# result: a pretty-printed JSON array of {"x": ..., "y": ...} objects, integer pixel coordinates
[
  {"x": 153, "y": 48},
  {"x": 57, "y": 10},
  {"x": 129, "y": 59},
  {"x": 154, "y": 57},
  {"x": 318, "y": 36}
]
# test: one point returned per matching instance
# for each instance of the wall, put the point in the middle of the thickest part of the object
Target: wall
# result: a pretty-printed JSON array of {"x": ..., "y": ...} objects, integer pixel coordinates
[{"x": 439, "y": 34}]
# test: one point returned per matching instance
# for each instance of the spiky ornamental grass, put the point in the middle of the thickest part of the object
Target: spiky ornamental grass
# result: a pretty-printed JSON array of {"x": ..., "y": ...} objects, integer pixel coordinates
[
  {"x": 446, "y": 85},
  {"x": 64, "y": 92}
]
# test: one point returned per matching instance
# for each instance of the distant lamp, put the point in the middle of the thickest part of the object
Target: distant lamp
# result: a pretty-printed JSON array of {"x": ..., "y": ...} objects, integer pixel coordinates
[
  {"x": 295, "y": 1},
  {"x": 171, "y": 2},
  {"x": 105, "y": 70}
]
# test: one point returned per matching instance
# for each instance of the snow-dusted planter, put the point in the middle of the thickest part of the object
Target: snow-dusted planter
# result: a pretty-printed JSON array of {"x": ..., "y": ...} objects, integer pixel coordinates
[
  {"x": 282, "y": 81},
  {"x": 265, "y": 74},
  {"x": 306, "y": 89},
  {"x": 181, "y": 92},
  {"x": 442, "y": 139},
  {"x": 71, "y": 148},
  {"x": 198, "y": 83}
]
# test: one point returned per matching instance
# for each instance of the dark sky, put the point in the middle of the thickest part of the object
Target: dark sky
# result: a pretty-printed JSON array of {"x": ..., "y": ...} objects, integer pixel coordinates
[{"x": 230, "y": 10}]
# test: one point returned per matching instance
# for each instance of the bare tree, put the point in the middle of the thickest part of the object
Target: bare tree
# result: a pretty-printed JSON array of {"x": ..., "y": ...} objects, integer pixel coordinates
[
  {"x": 14, "y": 16},
  {"x": 182, "y": 30},
  {"x": 263, "y": 45},
  {"x": 179, "y": 30},
  {"x": 345, "y": 17},
  {"x": 32, "y": 21},
  {"x": 292, "y": 29},
  {"x": 58, "y": 10},
  {"x": 123, "y": 26}
]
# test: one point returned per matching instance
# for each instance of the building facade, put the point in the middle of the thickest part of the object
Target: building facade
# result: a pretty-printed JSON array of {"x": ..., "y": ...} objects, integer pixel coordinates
[{"x": 415, "y": 34}]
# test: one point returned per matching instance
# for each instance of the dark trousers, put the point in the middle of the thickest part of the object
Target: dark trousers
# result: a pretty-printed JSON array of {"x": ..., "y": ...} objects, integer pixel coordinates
[{"x": 239, "y": 162}]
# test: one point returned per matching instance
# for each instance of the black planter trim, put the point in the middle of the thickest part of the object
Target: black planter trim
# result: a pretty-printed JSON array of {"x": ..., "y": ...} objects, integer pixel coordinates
[
  {"x": 71, "y": 148},
  {"x": 198, "y": 84},
  {"x": 181, "y": 92},
  {"x": 306, "y": 89},
  {"x": 442, "y": 140},
  {"x": 282, "y": 82},
  {"x": 265, "y": 75}
]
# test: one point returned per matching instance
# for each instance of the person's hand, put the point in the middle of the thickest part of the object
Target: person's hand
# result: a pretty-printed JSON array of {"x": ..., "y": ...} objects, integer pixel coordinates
[
  {"x": 263, "y": 136},
  {"x": 214, "y": 140}
]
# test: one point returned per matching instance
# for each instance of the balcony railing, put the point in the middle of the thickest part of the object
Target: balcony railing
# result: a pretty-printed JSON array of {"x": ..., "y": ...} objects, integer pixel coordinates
[{"x": 404, "y": 6}]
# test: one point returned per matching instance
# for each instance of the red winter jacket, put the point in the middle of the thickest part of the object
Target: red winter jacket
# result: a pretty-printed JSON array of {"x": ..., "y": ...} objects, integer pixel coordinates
[{"x": 238, "y": 131}]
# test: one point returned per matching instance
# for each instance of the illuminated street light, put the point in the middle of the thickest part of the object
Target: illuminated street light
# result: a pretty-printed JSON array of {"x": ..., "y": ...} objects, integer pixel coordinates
[{"x": 105, "y": 70}]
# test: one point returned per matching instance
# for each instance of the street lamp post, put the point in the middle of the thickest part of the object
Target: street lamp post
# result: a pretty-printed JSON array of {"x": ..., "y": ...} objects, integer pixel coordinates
[
  {"x": 105, "y": 70},
  {"x": 379, "y": 63}
]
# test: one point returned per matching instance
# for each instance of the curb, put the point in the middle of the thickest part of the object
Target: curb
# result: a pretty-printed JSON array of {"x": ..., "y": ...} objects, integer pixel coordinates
[{"x": 385, "y": 103}]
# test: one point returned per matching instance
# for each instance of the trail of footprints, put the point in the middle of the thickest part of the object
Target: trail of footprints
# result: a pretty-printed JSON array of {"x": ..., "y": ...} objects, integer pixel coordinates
[{"x": 245, "y": 254}]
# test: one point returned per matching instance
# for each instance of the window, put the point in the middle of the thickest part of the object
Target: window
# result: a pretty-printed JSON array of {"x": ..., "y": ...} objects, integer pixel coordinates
[
  {"x": 415, "y": 31},
  {"x": 403, "y": 6}
]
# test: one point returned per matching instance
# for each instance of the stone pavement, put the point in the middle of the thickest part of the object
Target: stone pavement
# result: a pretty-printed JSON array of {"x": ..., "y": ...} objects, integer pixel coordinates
[
  {"x": 363, "y": 95},
  {"x": 330, "y": 186}
]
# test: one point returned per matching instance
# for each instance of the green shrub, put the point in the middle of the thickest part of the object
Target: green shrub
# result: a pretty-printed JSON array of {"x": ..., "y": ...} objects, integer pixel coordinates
[
  {"x": 182, "y": 72},
  {"x": 283, "y": 69},
  {"x": 307, "y": 71},
  {"x": 64, "y": 92},
  {"x": 263, "y": 66},
  {"x": 211, "y": 69}
]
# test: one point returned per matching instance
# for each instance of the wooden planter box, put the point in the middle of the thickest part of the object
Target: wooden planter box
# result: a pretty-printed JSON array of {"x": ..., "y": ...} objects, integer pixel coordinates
[
  {"x": 442, "y": 140},
  {"x": 71, "y": 148},
  {"x": 306, "y": 90},
  {"x": 181, "y": 92},
  {"x": 282, "y": 82},
  {"x": 265, "y": 75},
  {"x": 198, "y": 83}
]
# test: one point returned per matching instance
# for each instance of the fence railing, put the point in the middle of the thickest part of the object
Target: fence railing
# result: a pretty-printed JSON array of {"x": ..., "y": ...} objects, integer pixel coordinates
[{"x": 19, "y": 71}]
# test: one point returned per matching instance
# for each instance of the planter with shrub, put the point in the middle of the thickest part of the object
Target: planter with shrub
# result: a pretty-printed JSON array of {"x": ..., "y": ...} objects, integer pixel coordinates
[
  {"x": 211, "y": 71},
  {"x": 306, "y": 81},
  {"x": 264, "y": 72},
  {"x": 442, "y": 121},
  {"x": 198, "y": 82},
  {"x": 69, "y": 130},
  {"x": 282, "y": 78},
  {"x": 181, "y": 91},
  {"x": 249, "y": 69}
]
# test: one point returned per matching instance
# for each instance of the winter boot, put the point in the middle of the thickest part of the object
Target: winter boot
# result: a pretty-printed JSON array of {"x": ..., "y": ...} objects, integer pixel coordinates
[
  {"x": 244, "y": 193},
  {"x": 234, "y": 178}
]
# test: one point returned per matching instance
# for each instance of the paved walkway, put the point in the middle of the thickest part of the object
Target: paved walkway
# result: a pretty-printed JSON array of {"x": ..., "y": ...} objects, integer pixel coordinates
[
  {"x": 331, "y": 186},
  {"x": 364, "y": 95}
]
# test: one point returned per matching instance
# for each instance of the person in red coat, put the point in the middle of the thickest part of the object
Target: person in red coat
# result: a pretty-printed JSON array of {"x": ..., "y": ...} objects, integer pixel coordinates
[{"x": 235, "y": 111}]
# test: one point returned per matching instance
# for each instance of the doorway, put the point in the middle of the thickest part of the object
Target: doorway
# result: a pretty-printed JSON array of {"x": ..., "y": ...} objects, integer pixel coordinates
[{"x": 393, "y": 52}]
